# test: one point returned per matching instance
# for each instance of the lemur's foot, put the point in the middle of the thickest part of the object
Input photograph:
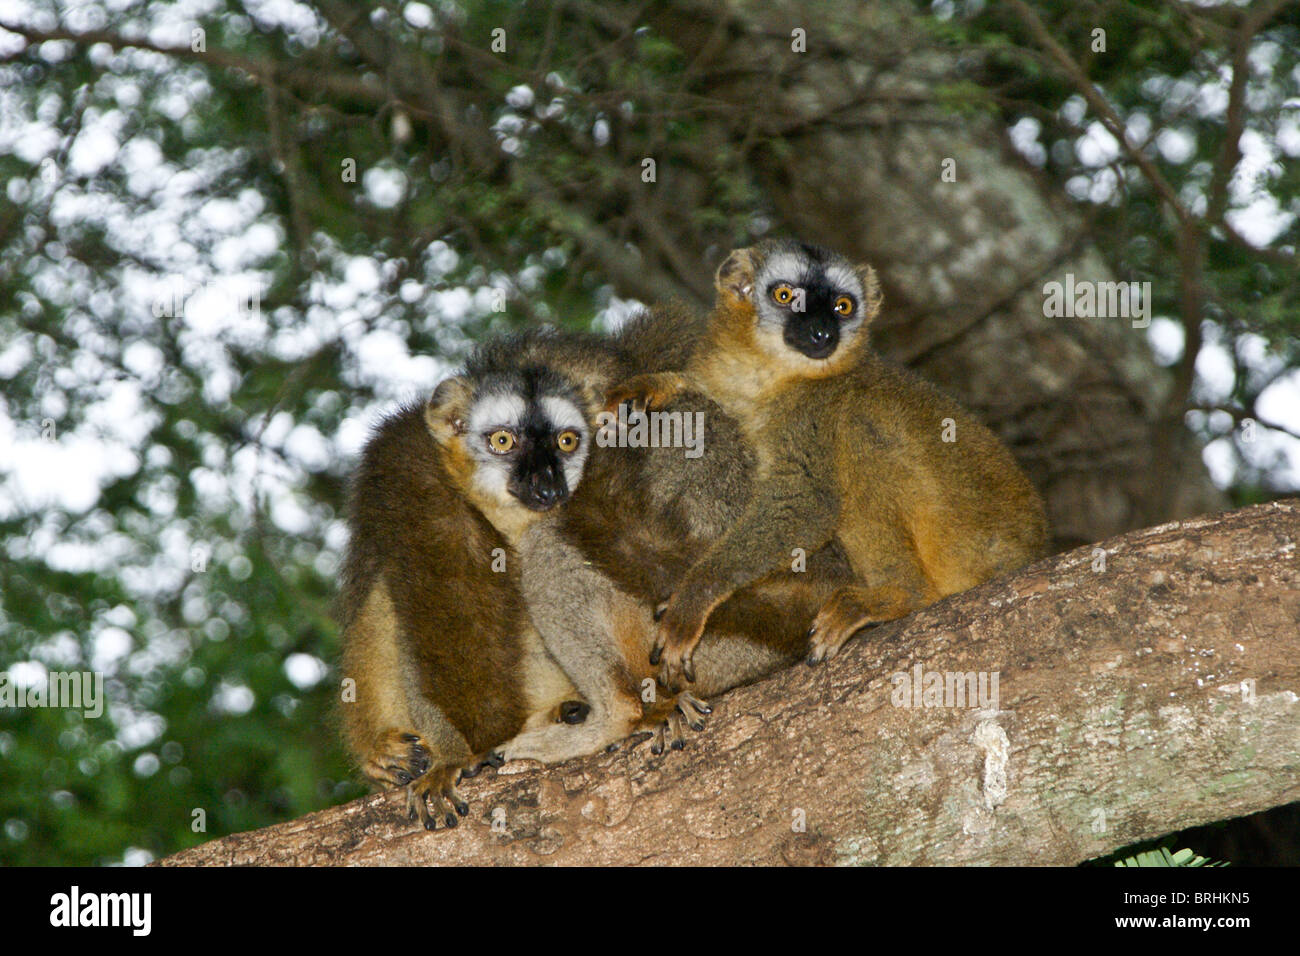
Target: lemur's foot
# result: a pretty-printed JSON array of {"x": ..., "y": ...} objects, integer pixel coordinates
[
  {"x": 433, "y": 798},
  {"x": 396, "y": 758},
  {"x": 850, "y": 609},
  {"x": 668, "y": 723}
]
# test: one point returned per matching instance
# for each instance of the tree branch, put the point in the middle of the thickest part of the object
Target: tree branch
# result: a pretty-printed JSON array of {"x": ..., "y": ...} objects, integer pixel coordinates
[
  {"x": 1139, "y": 696},
  {"x": 262, "y": 71},
  {"x": 1105, "y": 113}
]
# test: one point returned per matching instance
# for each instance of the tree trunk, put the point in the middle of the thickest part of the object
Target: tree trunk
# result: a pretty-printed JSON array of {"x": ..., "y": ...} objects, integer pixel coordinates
[{"x": 1144, "y": 686}]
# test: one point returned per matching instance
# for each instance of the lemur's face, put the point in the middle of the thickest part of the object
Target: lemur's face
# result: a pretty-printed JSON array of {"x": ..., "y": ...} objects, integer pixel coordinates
[
  {"x": 513, "y": 438},
  {"x": 807, "y": 301},
  {"x": 528, "y": 438},
  {"x": 816, "y": 301}
]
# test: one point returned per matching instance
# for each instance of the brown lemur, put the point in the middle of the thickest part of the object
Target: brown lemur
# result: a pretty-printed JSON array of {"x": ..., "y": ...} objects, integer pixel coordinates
[
  {"x": 594, "y": 571},
  {"x": 922, "y": 499},
  {"x": 436, "y": 633}
]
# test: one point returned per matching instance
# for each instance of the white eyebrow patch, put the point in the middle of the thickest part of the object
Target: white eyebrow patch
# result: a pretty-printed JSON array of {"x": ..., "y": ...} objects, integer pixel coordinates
[
  {"x": 844, "y": 280},
  {"x": 563, "y": 414},
  {"x": 494, "y": 411},
  {"x": 785, "y": 265}
]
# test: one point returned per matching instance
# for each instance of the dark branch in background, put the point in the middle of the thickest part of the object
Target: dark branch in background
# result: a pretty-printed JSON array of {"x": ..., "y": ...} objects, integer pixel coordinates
[
  {"x": 307, "y": 82},
  {"x": 286, "y": 156},
  {"x": 1109, "y": 118},
  {"x": 1254, "y": 20}
]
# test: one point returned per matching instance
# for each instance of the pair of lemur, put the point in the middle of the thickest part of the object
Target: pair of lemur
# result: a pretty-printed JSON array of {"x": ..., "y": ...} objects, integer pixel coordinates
[{"x": 509, "y": 588}]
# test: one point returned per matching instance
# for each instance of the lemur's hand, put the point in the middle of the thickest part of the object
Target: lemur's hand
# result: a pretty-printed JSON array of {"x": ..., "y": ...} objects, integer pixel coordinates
[
  {"x": 644, "y": 392},
  {"x": 681, "y": 625}
]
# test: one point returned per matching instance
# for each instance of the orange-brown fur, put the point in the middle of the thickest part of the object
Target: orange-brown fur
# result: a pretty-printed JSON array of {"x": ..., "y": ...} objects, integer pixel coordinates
[{"x": 848, "y": 449}]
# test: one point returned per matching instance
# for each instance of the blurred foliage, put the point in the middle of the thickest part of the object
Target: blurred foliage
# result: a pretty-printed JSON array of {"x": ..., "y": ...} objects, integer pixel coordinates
[
  {"x": 1164, "y": 69},
  {"x": 213, "y": 541}
]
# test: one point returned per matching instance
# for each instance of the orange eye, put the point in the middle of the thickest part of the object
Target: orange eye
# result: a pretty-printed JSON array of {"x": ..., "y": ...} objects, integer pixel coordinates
[
  {"x": 782, "y": 294},
  {"x": 844, "y": 305},
  {"x": 568, "y": 441},
  {"x": 500, "y": 442}
]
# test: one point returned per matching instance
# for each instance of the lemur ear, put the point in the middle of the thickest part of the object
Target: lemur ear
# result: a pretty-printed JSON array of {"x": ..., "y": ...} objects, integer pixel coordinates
[
  {"x": 446, "y": 409},
  {"x": 735, "y": 276},
  {"x": 872, "y": 294}
]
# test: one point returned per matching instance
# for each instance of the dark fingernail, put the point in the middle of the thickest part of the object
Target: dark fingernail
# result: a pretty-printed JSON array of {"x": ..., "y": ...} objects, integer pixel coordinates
[
  {"x": 678, "y": 744},
  {"x": 656, "y": 655},
  {"x": 462, "y": 808},
  {"x": 410, "y": 738},
  {"x": 403, "y": 777}
]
